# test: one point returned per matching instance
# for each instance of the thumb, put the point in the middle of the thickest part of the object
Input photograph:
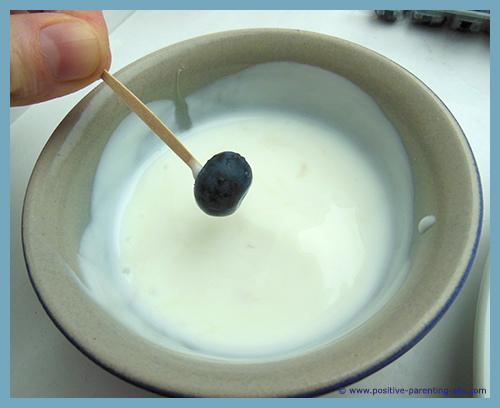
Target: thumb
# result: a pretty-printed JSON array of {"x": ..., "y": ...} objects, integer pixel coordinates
[{"x": 53, "y": 54}]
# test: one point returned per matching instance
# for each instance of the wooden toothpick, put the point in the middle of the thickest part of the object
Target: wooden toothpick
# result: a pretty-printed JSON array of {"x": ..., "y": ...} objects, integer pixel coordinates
[{"x": 150, "y": 119}]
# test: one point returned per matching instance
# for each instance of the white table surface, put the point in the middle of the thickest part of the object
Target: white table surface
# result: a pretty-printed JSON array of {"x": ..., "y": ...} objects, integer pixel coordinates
[{"x": 456, "y": 66}]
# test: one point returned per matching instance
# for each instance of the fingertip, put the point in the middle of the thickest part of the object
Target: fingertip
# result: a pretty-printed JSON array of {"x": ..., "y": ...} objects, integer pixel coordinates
[{"x": 54, "y": 54}]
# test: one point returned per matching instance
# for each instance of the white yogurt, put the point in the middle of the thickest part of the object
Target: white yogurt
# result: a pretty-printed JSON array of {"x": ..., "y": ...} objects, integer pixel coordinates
[{"x": 317, "y": 246}]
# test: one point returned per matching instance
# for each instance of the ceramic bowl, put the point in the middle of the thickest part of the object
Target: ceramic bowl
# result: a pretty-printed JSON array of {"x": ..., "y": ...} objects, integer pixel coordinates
[{"x": 446, "y": 185}]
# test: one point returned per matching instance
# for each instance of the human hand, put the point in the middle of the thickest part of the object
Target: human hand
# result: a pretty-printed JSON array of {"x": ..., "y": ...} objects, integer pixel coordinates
[{"x": 55, "y": 53}]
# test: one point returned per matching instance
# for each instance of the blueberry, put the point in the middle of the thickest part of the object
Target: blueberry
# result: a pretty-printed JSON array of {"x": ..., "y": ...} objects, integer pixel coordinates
[{"x": 222, "y": 184}]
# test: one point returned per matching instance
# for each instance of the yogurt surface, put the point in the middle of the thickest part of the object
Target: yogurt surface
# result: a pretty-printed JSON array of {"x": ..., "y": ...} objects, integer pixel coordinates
[{"x": 318, "y": 245}]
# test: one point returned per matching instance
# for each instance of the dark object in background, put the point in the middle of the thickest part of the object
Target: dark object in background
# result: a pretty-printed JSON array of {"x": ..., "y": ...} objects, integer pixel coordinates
[{"x": 473, "y": 21}]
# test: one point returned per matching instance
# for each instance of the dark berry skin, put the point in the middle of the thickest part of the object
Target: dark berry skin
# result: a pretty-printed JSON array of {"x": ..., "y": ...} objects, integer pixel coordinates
[{"x": 222, "y": 184}]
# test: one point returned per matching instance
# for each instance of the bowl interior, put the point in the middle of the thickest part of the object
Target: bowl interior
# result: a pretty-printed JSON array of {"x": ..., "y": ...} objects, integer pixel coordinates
[{"x": 446, "y": 186}]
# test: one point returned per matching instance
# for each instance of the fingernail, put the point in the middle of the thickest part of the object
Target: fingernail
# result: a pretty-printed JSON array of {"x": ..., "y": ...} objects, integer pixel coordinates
[{"x": 71, "y": 50}]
